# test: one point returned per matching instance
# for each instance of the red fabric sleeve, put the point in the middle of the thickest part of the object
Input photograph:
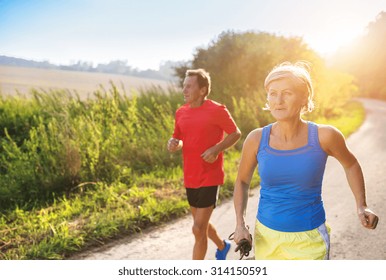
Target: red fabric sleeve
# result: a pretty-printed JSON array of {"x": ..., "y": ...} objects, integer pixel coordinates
[{"x": 225, "y": 120}]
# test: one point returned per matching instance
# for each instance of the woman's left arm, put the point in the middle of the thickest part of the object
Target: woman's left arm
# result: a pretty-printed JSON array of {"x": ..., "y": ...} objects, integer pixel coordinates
[{"x": 333, "y": 142}]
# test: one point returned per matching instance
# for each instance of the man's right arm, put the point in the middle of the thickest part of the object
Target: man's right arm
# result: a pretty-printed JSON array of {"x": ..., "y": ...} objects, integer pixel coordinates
[{"x": 174, "y": 145}]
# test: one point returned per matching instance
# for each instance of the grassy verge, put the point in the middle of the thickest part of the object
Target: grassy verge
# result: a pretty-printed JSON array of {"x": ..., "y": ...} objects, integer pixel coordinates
[
  {"x": 350, "y": 118},
  {"x": 100, "y": 211}
]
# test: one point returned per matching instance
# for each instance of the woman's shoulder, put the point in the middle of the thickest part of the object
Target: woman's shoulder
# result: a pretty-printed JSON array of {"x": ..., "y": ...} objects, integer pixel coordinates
[
  {"x": 257, "y": 132},
  {"x": 329, "y": 136},
  {"x": 326, "y": 130},
  {"x": 254, "y": 137}
]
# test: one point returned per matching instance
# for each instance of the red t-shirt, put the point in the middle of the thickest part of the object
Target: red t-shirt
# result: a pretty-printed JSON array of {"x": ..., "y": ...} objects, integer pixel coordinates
[{"x": 201, "y": 128}]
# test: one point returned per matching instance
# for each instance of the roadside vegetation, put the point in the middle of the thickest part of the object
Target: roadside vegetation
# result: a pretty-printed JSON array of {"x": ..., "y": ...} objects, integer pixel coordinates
[{"x": 76, "y": 173}]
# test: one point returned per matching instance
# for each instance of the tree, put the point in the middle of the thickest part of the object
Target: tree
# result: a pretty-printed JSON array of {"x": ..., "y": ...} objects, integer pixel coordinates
[
  {"x": 239, "y": 62},
  {"x": 365, "y": 59}
]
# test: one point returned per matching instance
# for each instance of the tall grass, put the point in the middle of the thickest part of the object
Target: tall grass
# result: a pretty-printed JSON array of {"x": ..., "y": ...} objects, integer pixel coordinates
[{"x": 53, "y": 141}]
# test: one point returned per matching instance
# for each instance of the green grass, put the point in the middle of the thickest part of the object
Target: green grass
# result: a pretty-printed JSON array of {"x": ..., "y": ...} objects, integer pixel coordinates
[
  {"x": 88, "y": 218},
  {"x": 350, "y": 118}
]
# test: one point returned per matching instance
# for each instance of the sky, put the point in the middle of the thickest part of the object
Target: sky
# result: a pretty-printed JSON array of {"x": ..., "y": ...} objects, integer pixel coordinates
[{"x": 147, "y": 33}]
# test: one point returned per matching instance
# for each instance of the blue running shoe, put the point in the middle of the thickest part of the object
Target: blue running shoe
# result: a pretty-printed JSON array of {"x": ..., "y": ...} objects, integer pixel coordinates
[{"x": 222, "y": 254}]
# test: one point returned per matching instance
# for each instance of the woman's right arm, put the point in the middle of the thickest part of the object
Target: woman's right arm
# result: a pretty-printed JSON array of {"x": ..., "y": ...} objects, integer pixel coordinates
[{"x": 247, "y": 166}]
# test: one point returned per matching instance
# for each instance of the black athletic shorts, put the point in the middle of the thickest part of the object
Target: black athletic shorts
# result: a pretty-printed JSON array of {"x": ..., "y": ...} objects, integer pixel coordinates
[{"x": 203, "y": 197}]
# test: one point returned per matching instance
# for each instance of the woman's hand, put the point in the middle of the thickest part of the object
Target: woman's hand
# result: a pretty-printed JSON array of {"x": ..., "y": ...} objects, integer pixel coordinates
[
  {"x": 242, "y": 232},
  {"x": 367, "y": 217}
]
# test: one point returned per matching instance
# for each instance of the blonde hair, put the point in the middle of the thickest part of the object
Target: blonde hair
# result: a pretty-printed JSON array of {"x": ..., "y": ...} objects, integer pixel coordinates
[{"x": 300, "y": 72}]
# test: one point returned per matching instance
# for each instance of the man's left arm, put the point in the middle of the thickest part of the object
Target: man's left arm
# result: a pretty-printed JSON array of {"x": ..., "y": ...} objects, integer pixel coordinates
[{"x": 211, "y": 154}]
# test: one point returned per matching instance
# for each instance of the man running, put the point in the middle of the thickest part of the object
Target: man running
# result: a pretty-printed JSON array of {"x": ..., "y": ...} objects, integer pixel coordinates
[{"x": 199, "y": 130}]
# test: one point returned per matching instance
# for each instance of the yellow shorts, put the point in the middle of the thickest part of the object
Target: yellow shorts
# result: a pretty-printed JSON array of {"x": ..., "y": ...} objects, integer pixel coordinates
[{"x": 304, "y": 245}]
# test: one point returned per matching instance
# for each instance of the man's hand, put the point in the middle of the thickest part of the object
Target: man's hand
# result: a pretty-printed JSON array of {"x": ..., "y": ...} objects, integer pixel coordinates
[
  {"x": 174, "y": 145},
  {"x": 210, "y": 155}
]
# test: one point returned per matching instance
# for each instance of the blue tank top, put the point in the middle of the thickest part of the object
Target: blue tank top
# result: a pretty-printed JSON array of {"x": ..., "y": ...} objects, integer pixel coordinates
[{"x": 291, "y": 184}]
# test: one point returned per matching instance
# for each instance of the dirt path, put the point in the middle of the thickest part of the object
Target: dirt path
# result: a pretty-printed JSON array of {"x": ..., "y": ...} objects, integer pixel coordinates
[{"x": 349, "y": 240}]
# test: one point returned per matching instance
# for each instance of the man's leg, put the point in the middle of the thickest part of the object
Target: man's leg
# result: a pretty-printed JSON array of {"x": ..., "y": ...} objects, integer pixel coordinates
[
  {"x": 201, "y": 230},
  {"x": 223, "y": 246},
  {"x": 212, "y": 234}
]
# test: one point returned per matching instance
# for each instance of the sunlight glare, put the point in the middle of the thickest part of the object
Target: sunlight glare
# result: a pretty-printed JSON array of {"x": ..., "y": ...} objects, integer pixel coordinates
[{"x": 333, "y": 35}]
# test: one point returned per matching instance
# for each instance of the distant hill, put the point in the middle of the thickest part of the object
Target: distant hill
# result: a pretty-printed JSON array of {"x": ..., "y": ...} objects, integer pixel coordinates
[
  {"x": 13, "y": 61},
  {"x": 165, "y": 72}
]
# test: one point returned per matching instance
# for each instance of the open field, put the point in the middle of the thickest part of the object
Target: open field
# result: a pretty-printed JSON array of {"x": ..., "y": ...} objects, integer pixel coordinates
[{"x": 22, "y": 79}]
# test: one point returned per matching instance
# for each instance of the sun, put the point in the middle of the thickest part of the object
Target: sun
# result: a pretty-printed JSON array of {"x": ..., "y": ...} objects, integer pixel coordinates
[{"x": 334, "y": 34}]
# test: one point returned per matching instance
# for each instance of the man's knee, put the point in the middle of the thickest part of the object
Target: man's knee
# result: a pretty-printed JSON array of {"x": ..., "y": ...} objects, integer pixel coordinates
[{"x": 199, "y": 230}]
